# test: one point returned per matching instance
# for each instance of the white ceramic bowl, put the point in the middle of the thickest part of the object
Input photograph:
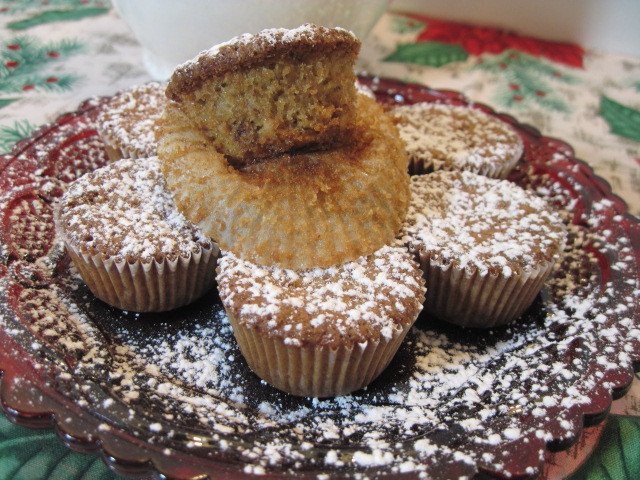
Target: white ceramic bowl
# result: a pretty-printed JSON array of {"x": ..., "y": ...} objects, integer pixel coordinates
[{"x": 173, "y": 31}]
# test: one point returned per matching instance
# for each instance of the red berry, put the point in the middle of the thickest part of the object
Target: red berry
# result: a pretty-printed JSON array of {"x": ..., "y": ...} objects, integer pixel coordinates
[
  {"x": 11, "y": 64},
  {"x": 53, "y": 54},
  {"x": 540, "y": 93},
  {"x": 13, "y": 46},
  {"x": 52, "y": 79},
  {"x": 514, "y": 86},
  {"x": 518, "y": 98},
  {"x": 26, "y": 88}
]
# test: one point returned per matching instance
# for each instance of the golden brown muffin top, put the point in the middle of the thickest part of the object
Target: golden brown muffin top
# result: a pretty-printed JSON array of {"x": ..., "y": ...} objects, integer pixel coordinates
[
  {"x": 248, "y": 50},
  {"x": 124, "y": 211},
  {"x": 364, "y": 300},
  {"x": 128, "y": 119},
  {"x": 455, "y": 137},
  {"x": 480, "y": 223}
]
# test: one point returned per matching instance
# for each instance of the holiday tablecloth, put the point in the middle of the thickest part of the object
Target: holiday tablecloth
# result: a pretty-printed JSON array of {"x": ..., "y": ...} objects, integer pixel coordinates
[{"x": 55, "y": 53}]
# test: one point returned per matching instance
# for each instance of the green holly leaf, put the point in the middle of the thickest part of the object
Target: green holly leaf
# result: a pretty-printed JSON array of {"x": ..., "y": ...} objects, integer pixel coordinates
[
  {"x": 622, "y": 120},
  {"x": 27, "y": 454},
  {"x": 56, "y": 16},
  {"x": 616, "y": 455},
  {"x": 433, "y": 54}
]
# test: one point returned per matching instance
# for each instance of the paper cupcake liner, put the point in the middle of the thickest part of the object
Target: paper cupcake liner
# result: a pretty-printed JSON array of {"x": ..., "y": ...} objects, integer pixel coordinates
[
  {"x": 315, "y": 371},
  {"x": 420, "y": 167},
  {"x": 115, "y": 150},
  {"x": 153, "y": 286},
  {"x": 273, "y": 224},
  {"x": 465, "y": 297}
]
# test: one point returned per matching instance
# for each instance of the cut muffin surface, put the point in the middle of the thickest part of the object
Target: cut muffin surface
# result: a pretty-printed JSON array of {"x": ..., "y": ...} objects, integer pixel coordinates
[{"x": 259, "y": 95}]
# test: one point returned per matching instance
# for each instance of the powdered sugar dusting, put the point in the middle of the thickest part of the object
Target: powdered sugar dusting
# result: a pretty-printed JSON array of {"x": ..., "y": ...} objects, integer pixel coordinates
[
  {"x": 127, "y": 121},
  {"x": 358, "y": 301},
  {"x": 449, "y": 137},
  {"x": 364, "y": 90},
  {"x": 270, "y": 36},
  {"x": 481, "y": 223},
  {"x": 124, "y": 210},
  {"x": 452, "y": 401},
  {"x": 448, "y": 387}
]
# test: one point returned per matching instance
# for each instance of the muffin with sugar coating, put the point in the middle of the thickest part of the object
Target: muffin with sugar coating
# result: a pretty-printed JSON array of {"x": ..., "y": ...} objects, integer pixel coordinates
[
  {"x": 322, "y": 332},
  {"x": 126, "y": 122},
  {"x": 486, "y": 246},
  {"x": 449, "y": 137},
  {"x": 132, "y": 247},
  {"x": 259, "y": 95}
]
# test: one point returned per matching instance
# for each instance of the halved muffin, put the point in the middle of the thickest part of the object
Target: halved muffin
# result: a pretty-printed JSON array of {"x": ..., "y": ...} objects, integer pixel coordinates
[{"x": 259, "y": 95}]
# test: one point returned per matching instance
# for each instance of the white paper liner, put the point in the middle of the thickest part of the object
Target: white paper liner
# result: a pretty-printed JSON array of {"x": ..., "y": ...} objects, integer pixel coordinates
[
  {"x": 465, "y": 297},
  {"x": 116, "y": 151},
  {"x": 316, "y": 371},
  {"x": 154, "y": 286}
]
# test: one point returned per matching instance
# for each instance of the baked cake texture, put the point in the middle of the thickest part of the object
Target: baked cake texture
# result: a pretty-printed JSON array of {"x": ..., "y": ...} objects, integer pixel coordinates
[
  {"x": 132, "y": 247},
  {"x": 448, "y": 137},
  {"x": 126, "y": 122},
  {"x": 302, "y": 210},
  {"x": 259, "y": 95},
  {"x": 322, "y": 332},
  {"x": 486, "y": 246}
]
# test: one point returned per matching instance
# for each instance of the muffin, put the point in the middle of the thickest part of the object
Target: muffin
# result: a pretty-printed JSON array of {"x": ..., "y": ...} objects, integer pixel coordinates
[
  {"x": 132, "y": 247},
  {"x": 322, "y": 332},
  {"x": 126, "y": 122},
  {"x": 447, "y": 137},
  {"x": 259, "y": 95},
  {"x": 486, "y": 246},
  {"x": 297, "y": 210}
]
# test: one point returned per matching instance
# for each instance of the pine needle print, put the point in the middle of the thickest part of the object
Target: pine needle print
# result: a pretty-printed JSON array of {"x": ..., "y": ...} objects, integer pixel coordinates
[
  {"x": 40, "y": 12},
  {"x": 12, "y": 7},
  {"x": 523, "y": 80},
  {"x": 10, "y": 135},
  {"x": 25, "y": 61}
]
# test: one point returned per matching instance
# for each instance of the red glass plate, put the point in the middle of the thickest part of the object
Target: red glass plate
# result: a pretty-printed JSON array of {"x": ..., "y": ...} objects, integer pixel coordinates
[{"x": 170, "y": 394}]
